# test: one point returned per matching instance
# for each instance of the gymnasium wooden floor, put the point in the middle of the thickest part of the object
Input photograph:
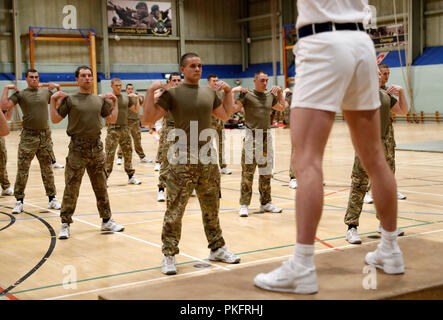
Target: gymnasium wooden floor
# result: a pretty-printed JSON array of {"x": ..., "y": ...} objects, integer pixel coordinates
[{"x": 35, "y": 265}]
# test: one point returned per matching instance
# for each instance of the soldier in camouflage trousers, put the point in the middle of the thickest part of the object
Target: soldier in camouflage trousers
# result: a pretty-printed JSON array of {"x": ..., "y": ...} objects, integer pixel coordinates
[
  {"x": 219, "y": 126},
  {"x": 4, "y": 180},
  {"x": 85, "y": 112},
  {"x": 35, "y": 138},
  {"x": 118, "y": 133},
  {"x": 134, "y": 129},
  {"x": 360, "y": 179}
]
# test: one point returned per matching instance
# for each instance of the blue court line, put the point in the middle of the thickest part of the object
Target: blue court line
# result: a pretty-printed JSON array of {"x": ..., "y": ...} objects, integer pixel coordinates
[
  {"x": 339, "y": 209},
  {"x": 123, "y": 212}
]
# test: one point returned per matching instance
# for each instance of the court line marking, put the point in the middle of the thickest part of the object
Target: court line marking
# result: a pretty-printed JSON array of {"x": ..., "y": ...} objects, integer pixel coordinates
[
  {"x": 232, "y": 267},
  {"x": 123, "y": 285},
  {"x": 136, "y": 239},
  {"x": 339, "y": 247}
]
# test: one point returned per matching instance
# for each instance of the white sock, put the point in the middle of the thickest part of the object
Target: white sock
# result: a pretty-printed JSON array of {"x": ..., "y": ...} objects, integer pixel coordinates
[
  {"x": 304, "y": 255},
  {"x": 389, "y": 240}
]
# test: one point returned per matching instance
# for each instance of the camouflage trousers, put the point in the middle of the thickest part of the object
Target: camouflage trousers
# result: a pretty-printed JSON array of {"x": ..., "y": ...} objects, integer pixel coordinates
[
  {"x": 256, "y": 152},
  {"x": 134, "y": 129},
  {"x": 360, "y": 184},
  {"x": 287, "y": 116},
  {"x": 118, "y": 135},
  {"x": 220, "y": 127},
  {"x": 85, "y": 154},
  {"x": 162, "y": 153},
  {"x": 4, "y": 181},
  {"x": 291, "y": 166},
  {"x": 34, "y": 143},
  {"x": 181, "y": 180}
]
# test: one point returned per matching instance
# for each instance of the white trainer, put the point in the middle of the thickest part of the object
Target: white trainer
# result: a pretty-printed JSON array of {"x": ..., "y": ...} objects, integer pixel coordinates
[
  {"x": 161, "y": 196},
  {"x": 145, "y": 160},
  {"x": 168, "y": 265},
  {"x": 64, "y": 231},
  {"x": 389, "y": 262},
  {"x": 368, "y": 198},
  {"x": 293, "y": 183},
  {"x": 18, "y": 207},
  {"x": 243, "y": 211},
  {"x": 54, "y": 204},
  {"x": 225, "y": 171},
  {"x": 401, "y": 196},
  {"x": 111, "y": 225},
  {"x": 287, "y": 279},
  {"x": 224, "y": 255},
  {"x": 269, "y": 207},
  {"x": 133, "y": 180},
  {"x": 119, "y": 161},
  {"x": 352, "y": 236},
  {"x": 400, "y": 232},
  {"x": 194, "y": 193},
  {"x": 157, "y": 166},
  {"x": 8, "y": 192},
  {"x": 56, "y": 165}
]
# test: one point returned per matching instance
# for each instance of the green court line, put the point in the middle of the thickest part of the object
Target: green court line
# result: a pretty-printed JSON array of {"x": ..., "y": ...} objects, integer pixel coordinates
[
  {"x": 242, "y": 253},
  {"x": 333, "y": 206},
  {"x": 189, "y": 262}
]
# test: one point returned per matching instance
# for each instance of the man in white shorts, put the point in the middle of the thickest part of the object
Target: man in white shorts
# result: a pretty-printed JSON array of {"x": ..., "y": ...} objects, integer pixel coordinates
[{"x": 336, "y": 70}]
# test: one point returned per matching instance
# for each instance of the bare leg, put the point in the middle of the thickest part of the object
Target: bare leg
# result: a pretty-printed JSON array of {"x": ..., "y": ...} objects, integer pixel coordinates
[
  {"x": 365, "y": 133},
  {"x": 309, "y": 134}
]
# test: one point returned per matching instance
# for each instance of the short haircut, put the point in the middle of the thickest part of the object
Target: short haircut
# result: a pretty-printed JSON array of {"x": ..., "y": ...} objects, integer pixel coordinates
[
  {"x": 259, "y": 72},
  {"x": 186, "y": 56},
  {"x": 77, "y": 71},
  {"x": 213, "y": 75},
  {"x": 129, "y": 84},
  {"x": 383, "y": 66},
  {"x": 114, "y": 80},
  {"x": 174, "y": 74},
  {"x": 141, "y": 5},
  {"x": 30, "y": 71}
]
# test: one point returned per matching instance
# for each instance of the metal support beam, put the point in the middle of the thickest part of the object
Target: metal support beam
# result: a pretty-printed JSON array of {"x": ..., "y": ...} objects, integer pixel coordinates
[
  {"x": 274, "y": 39},
  {"x": 181, "y": 18},
  {"x": 105, "y": 42},
  {"x": 17, "y": 46},
  {"x": 244, "y": 35},
  {"x": 262, "y": 16},
  {"x": 280, "y": 40}
]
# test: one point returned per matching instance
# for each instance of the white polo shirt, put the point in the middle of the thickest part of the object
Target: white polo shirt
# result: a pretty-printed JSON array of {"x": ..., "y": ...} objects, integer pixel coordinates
[{"x": 341, "y": 11}]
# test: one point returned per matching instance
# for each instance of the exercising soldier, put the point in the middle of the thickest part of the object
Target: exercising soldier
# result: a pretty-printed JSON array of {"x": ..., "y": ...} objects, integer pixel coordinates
[
  {"x": 360, "y": 179},
  {"x": 134, "y": 129},
  {"x": 4, "y": 181},
  {"x": 84, "y": 111},
  {"x": 287, "y": 93},
  {"x": 191, "y": 107},
  {"x": 163, "y": 144},
  {"x": 390, "y": 139},
  {"x": 219, "y": 126},
  {"x": 258, "y": 104},
  {"x": 118, "y": 132},
  {"x": 35, "y": 139}
]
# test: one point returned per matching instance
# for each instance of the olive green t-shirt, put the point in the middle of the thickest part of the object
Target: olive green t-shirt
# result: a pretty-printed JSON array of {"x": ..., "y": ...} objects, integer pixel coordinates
[
  {"x": 387, "y": 102},
  {"x": 131, "y": 114},
  {"x": 124, "y": 103},
  {"x": 258, "y": 107},
  {"x": 188, "y": 103},
  {"x": 34, "y": 105},
  {"x": 217, "y": 121},
  {"x": 288, "y": 98},
  {"x": 85, "y": 111}
]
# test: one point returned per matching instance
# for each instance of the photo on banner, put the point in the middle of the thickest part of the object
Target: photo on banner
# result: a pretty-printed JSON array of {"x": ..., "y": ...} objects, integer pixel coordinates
[
  {"x": 129, "y": 17},
  {"x": 388, "y": 37}
]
